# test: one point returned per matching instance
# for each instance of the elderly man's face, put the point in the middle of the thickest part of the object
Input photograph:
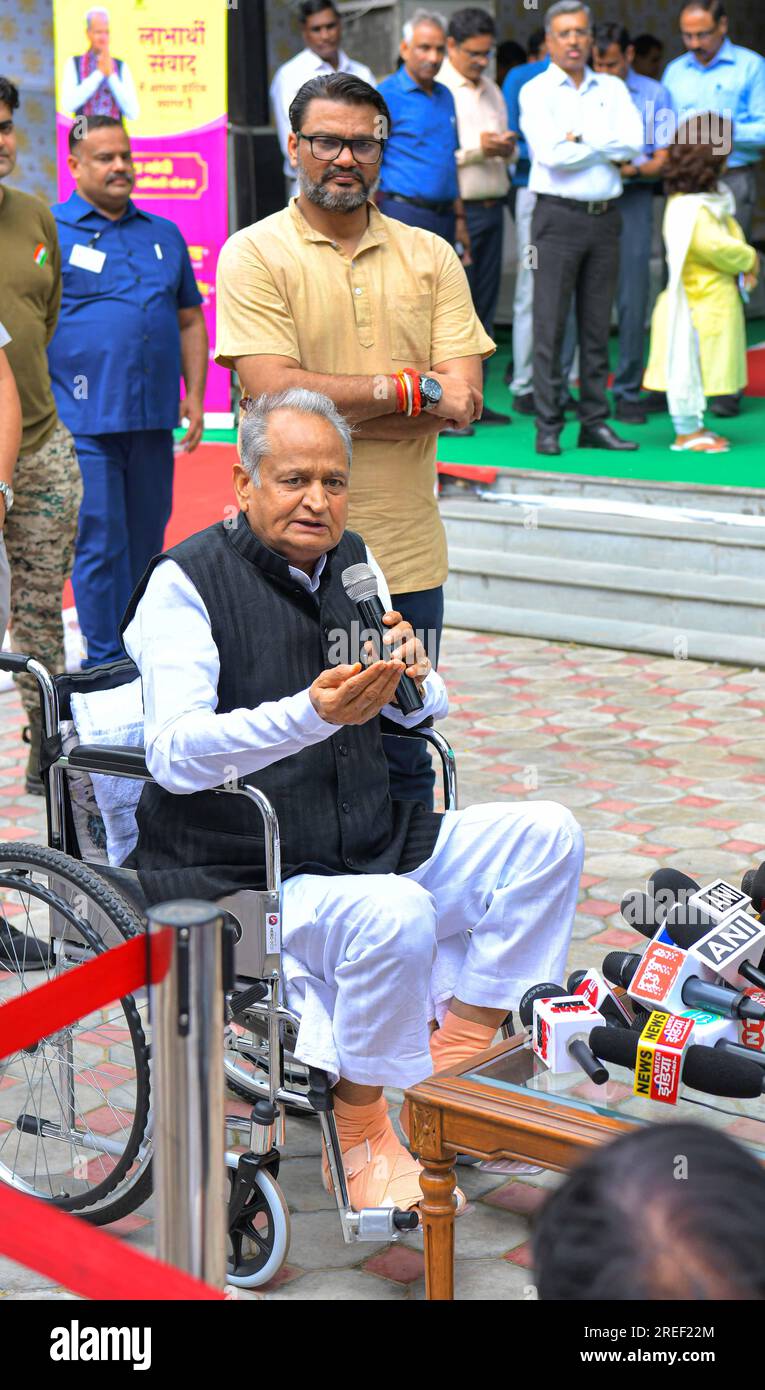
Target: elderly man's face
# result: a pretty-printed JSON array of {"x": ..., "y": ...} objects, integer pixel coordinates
[
  {"x": 301, "y": 507},
  {"x": 98, "y": 33},
  {"x": 425, "y": 52},
  {"x": 7, "y": 141}
]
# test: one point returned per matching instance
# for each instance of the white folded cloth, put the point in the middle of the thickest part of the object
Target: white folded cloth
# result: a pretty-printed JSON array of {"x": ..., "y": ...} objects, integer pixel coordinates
[{"x": 106, "y": 717}]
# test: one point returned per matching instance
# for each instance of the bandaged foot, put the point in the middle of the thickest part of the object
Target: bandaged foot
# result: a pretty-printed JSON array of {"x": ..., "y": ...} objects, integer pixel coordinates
[
  {"x": 457, "y": 1040},
  {"x": 379, "y": 1171}
]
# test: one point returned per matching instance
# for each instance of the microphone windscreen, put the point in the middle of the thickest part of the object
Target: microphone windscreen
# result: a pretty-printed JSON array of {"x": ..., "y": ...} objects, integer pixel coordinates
[
  {"x": 686, "y": 923},
  {"x": 619, "y": 966},
  {"x": 639, "y": 912},
  {"x": 546, "y": 990},
  {"x": 574, "y": 980},
  {"x": 671, "y": 883},
  {"x": 617, "y": 1045},
  {"x": 359, "y": 582},
  {"x": 753, "y": 883},
  {"x": 721, "y": 1074}
]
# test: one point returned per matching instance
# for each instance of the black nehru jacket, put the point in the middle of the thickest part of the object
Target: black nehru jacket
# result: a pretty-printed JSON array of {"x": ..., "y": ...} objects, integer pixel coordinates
[{"x": 332, "y": 799}]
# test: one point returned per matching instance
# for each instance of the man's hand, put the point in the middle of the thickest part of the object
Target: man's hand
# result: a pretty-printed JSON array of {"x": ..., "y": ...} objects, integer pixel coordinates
[
  {"x": 461, "y": 402},
  {"x": 501, "y": 146},
  {"x": 349, "y": 695},
  {"x": 628, "y": 171},
  {"x": 106, "y": 65},
  {"x": 192, "y": 409},
  {"x": 752, "y": 276},
  {"x": 407, "y": 647}
]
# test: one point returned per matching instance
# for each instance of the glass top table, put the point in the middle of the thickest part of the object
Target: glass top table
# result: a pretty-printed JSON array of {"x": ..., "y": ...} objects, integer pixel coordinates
[{"x": 520, "y": 1072}]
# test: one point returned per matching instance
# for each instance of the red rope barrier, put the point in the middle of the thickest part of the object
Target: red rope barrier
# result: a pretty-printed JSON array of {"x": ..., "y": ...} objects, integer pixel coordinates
[
  {"x": 86, "y": 1259},
  {"x": 110, "y": 976}
]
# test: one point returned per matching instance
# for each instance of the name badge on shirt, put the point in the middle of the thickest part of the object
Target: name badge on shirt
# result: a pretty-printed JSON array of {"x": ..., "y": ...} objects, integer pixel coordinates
[{"x": 87, "y": 258}]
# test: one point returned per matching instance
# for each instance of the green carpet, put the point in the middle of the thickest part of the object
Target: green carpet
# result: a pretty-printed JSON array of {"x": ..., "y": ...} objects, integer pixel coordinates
[{"x": 501, "y": 446}]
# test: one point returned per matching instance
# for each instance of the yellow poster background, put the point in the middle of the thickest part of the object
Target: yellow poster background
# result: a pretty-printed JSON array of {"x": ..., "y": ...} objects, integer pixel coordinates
[{"x": 175, "y": 50}]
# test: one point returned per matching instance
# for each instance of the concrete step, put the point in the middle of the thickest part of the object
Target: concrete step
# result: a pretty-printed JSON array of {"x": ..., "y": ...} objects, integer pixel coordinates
[
  {"x": 510, "y": 481},
  {"x": 653, "y": 538}
]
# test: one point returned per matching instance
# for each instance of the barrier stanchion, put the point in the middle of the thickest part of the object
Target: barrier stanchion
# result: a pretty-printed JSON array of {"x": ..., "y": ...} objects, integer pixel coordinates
[{"x": 187, "y": 1086}]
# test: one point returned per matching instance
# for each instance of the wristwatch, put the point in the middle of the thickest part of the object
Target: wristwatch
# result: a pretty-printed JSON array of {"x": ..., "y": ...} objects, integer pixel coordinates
[
  {"x": 7, "y": 492},
  {"x": 431, "y": 392}
]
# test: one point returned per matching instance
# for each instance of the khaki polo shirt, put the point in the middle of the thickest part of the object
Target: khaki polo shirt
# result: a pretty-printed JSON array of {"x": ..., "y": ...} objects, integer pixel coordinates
[{"x": 402, "y": 301}]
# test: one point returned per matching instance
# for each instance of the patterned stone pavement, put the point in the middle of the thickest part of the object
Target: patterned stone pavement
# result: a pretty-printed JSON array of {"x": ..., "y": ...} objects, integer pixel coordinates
[{"x": 662, "y": 761}]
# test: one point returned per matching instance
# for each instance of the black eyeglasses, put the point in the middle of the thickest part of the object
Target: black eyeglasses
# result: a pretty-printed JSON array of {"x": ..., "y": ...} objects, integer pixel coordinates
[{"x": 328, "y": 147}]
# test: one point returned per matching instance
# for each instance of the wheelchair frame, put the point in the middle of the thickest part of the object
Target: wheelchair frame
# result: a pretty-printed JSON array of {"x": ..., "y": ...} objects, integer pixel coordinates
[{"x": 256, "y": 915}]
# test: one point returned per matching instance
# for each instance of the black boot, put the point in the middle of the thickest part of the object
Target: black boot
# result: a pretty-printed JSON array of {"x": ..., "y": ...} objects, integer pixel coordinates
[{"x": 31, "y": 734}]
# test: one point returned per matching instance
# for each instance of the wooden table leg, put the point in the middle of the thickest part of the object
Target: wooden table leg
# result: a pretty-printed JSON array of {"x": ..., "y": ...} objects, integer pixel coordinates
[{"x": 438, "y": 1181}]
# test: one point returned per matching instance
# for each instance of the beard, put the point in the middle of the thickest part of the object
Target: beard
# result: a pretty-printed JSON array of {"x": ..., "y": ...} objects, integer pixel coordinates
[{"x": 345, "y": 200}]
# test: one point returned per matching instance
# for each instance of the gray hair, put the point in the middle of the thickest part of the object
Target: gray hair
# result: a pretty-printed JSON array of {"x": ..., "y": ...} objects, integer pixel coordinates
[
  {"x": 253, "y": 434},
  {"x": 91, "y": 14},
  {"x": 566, "y": 7},
  {"x": 423, "y": 17}
]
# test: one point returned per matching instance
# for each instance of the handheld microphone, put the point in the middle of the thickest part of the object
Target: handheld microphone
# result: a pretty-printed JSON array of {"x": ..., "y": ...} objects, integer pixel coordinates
[
  {"x": 360, "y": 584},
  {"x": 665, "y": 977},
  {"x": 559, "y": 1026},
  {"x": 641, "y": 912},
  {"x": 729, "y": 946},
  {"x": 595, "y": 990},
  {"x": 712, "y": 1070},
  {"x": 667, "y": 887},
  {"x": 753, "y": 884}
]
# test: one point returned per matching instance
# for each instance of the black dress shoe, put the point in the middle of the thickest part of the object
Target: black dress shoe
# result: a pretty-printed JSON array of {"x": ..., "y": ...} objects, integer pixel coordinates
[
  {"x": 631, "y": 412},
  {"x": 524, "y": 405},
  {"x": 654, "y": 402},
  {"x": 20, "y": 952},
  {"x": 493, "y": 417},
  {"x": 548, "y": 442},
  {"x": 601, "y": 436},
  {"x": 725, "y": 407}
]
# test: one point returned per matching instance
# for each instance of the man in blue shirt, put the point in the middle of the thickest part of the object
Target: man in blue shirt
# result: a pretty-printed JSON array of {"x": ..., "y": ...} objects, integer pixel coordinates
[
  {"x": 418, "y": 175},
  {"x": 717, "y": 75},
  {"x": 130, "y": 324},
  {"x": 613, "y": 53},
  {"x": 525, "y": 202}
]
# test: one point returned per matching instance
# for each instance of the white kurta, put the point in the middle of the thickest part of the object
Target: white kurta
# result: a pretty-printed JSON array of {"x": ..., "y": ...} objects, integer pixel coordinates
[{"x": 369, "y": 959}]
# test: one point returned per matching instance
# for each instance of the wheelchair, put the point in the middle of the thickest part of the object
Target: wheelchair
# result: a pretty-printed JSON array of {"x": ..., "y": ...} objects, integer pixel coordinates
[{"x": 75, "y": 1108}]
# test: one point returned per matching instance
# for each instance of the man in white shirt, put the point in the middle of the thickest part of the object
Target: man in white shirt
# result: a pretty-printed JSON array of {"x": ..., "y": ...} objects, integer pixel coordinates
[
  {"x": 247, "y": 644},
  {"x": 95, "y": 83},
  {"x": 321, "y": 28},
  {"x": 485, "y": 147},
  {"x": 579, "y": 127}
]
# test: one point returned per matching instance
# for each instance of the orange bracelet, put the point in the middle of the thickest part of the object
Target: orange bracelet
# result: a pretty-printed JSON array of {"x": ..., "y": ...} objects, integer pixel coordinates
[{"x": 400, "y": 394}]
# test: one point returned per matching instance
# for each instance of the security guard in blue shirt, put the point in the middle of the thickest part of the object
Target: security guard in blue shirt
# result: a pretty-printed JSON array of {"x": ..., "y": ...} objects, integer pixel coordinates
[{"x": 130, "y": 325}]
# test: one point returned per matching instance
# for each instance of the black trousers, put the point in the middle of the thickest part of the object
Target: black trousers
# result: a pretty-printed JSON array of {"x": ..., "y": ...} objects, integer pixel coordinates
[
  {"x": 486, "y": 227},
  {"x": 578, "y": 256}
]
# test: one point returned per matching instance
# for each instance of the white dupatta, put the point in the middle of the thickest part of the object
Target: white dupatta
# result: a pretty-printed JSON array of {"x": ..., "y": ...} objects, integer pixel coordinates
[{"x": 685, "y": 390}]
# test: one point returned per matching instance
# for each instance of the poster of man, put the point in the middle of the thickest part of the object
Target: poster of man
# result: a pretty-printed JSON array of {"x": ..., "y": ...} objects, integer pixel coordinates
[{"x": 95, "y": 83}]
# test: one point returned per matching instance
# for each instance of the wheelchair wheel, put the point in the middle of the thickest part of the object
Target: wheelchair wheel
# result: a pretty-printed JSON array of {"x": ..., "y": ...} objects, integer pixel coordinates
[
  {"x": 258, "y": 1246},
  {"x": 74, "y": 1107},
  {"x": 246, "y": 1067}
]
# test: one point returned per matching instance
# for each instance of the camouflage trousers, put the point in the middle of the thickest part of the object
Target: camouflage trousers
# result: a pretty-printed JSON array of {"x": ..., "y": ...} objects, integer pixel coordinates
[{"x": 40, "y": 533}]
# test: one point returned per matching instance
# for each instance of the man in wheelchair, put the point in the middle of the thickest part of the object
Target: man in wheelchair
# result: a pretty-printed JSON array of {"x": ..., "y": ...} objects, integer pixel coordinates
[{"x": 415, "y": 933}]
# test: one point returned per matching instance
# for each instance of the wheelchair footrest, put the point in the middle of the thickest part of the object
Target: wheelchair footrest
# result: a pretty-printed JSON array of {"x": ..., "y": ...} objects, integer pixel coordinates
[{"x": 384, "y": 1223}]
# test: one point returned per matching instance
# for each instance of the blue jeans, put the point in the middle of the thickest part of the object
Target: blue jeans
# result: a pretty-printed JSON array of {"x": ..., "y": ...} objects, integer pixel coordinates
[
  {"x": 127, "y": 499},
  {"x": 411, "y": 772}
]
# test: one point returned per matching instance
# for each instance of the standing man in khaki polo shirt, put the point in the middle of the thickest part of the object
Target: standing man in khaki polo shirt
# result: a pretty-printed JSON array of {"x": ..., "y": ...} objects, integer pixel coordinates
[
  {"x": 332, "y": 296},
  {"x": 485, "y": 147}
]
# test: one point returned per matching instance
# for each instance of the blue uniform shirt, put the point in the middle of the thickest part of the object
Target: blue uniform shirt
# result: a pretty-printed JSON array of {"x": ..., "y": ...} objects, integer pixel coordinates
[
  {"x": 115, "y": 358},
  {"x": 511, "y": 87},
  {"x": 655, "y": 105},
  {"x": 419, "y": 158},
  {"x": 733, "y": 83}
]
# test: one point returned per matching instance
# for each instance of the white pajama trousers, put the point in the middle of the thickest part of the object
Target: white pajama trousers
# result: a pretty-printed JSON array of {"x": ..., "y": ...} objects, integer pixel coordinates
[{"x": 369, "y": 959}]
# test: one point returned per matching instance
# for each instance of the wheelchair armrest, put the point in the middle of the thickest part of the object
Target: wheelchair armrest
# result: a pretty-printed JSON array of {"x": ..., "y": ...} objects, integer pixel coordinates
[
  {"x": 112, "y": 759},
  {"x": 391, "y": 729}
]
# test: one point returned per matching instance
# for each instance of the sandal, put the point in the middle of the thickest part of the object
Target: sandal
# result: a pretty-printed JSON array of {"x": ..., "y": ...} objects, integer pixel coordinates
[{"x": 706, "y": 443}]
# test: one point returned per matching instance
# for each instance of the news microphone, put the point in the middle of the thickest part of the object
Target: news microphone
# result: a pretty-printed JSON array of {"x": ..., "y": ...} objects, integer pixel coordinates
[
  {"x": 671, "y": 885},
  {"x": 753, "y": 884},
  {"x": 595, "y": 990},
  {"x": 360, "y": 584},
  {"x": 726, "y": 945},
  {"x": 712, "y": 1070},
  {"x": 559, "y": 1025},
  {"x": 735, "y": 1049},
  {"x": 546, "y": 990},
  {"x": 641, "y": 912},
  {"x": 664, "y": 978}
]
